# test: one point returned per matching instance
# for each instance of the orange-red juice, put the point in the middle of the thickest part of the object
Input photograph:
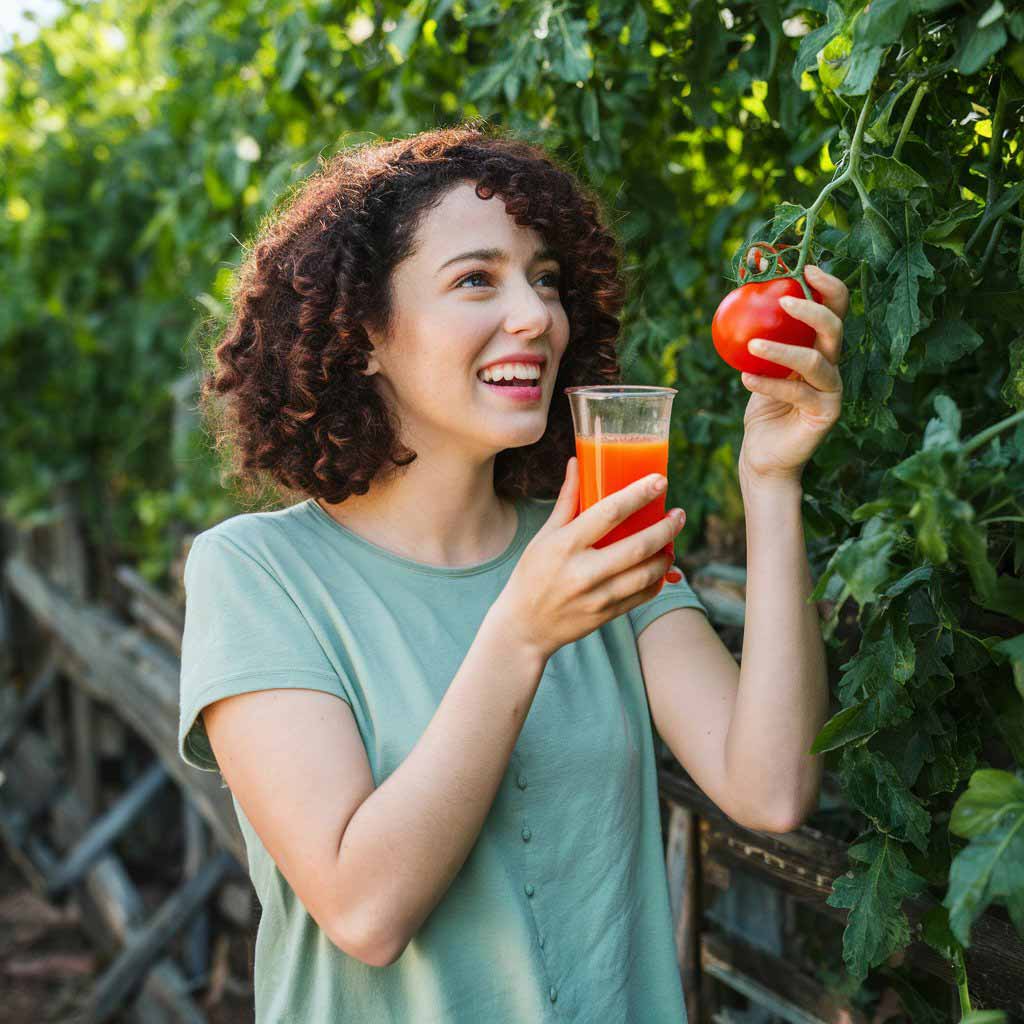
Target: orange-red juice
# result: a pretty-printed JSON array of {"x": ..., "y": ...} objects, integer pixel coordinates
[{"x": 613, "y": 464}]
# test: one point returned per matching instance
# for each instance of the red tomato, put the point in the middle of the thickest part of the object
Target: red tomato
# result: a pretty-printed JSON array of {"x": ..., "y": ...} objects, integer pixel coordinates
[{"x": 753, "y": 311}]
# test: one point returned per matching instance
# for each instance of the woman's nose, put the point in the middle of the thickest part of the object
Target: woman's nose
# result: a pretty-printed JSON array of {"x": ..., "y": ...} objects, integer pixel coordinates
[{"x": 527, "y": 309}]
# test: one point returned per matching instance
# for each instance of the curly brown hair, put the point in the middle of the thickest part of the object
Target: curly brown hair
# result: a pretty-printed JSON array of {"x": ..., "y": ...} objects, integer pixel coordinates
[{"x": 289, "y": 406}]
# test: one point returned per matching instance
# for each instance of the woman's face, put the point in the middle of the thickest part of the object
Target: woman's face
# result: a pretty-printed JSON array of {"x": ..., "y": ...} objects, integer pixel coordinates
[{"x": 455, "y": 314}]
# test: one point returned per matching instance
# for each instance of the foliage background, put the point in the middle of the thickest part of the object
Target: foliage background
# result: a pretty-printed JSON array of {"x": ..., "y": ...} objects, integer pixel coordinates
[{"x": 143, "y": 142}]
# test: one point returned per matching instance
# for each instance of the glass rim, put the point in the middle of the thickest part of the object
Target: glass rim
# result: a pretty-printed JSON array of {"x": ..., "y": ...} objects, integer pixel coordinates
[{"x": 620, "y": 390}]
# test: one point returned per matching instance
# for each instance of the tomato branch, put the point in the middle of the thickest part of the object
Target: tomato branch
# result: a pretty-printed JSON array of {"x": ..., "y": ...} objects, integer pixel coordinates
[
  {"x": 989, "y": 432},
  {"x": 909, "y": 119},
  {"x": 994, "y": 165},
  {"x": 852, "y": 171}
]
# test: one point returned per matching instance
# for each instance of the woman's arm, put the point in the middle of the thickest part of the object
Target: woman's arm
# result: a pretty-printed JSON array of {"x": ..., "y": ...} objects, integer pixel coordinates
[
  {"x": 406, "y": 842},
  {"x": 783, "y": 696}
]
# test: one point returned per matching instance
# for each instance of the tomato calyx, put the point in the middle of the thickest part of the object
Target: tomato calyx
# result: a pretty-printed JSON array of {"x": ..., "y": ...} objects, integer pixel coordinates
[{"x": 762, "y": 261}]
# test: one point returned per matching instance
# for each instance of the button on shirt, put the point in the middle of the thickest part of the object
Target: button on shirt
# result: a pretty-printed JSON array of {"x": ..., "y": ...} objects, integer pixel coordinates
[{"x": 561, "y": 910}]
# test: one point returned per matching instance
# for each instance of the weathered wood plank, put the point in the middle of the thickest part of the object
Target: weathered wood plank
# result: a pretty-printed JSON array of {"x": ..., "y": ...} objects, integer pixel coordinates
[
  {"x": 128, "y": 971},
  {"x": 104, "y": 830},
  {"x": 25, "y": 706},
  {"x": 804, "y": 864},
  {"x": 111, "y": 908},
  {"x": 773, "y": 982},
  {"x": 119, "y": 666},
  {"x": 682, "y": 852}
]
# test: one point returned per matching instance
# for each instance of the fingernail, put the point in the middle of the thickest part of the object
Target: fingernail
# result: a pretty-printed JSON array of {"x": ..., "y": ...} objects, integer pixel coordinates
[
  {"x": 674, "y": 575},
  {"x": 786, "y": 302},
  {"x": 659, "y": 484},
  {"x": 757, "y": 346}
]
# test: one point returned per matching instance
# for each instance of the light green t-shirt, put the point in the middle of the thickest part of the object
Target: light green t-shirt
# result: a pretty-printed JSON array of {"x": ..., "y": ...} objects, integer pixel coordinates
[{"x": 561, "y": 910}]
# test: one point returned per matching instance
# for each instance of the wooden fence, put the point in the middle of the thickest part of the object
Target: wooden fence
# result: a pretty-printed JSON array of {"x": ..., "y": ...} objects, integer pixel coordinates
[{"x": 100, "y": 680}]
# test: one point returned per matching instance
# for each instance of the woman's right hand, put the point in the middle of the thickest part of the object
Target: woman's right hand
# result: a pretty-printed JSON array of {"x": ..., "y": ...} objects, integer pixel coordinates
[{"x": 563, "y": 587}]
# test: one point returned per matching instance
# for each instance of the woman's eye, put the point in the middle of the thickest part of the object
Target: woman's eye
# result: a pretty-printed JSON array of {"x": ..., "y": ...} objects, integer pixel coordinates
[
  {"x": 553, "y": 274},
  {"x": 469, "y": 277}
]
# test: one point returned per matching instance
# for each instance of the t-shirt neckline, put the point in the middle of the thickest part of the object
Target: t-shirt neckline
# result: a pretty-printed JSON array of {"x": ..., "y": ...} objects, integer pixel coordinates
[{"x": 322, "y": 516}]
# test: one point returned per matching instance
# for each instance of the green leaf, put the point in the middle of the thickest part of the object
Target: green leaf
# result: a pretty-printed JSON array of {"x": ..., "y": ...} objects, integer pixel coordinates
[
  {"x": 944, "y": 231},
  {"x": 874, "y": 891},
  {"x": 990, "y": 795},
  {"x": 574, "y": 63},
  {"x": 810, "y": 44},
  {"x": 637, "y": 27},
  {"x": 875, "y": 788},
  {"x": 902, "y": 315},
  {"x": 990, "y": 813},
  {"x": 404, "y": 35},
  {"x": 1012, "y": 391},
  {"x": 293, "y": 63},
  {"x": 864, "y": 562},
  {"x": 936, "y": 933},
  {"x": 977, "y": 44},
  {"x": 880, "y": 669},
  {"x": 486, "y": 82},
  {"x": 937, "y": 347},
  {"x": 882, "y": 23},
  {"x": 886, "y": 172},
  {"x": 864, "y": 62},
  {"x": 852, "y": 723},
  {"x": 786, "y": 217},
  {"x": 591, "y": 117},
  {"x": 872, "y": 238}
]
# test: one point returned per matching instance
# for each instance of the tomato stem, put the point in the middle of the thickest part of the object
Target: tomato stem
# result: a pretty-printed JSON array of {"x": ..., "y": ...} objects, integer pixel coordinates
[
  {"x": 995, "y": 166},
  {"x": 989, "y": 432},
  {"x": 909, "y": 119},
  {"x": 852, "y": 171}
]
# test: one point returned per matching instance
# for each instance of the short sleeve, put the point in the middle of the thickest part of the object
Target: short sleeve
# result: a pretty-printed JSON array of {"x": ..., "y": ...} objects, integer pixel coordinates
[
  {"x": 673, "y": 595},
  {"x": 243, "y": 631}
]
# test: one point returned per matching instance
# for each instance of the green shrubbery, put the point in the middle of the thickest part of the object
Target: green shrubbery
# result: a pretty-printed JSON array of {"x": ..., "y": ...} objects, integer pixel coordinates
[{"x": 137, "y": 157}]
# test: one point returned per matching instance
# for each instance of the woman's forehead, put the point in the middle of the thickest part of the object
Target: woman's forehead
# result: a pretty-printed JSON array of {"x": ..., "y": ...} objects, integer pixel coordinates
[{"x": 463, "y": 221}]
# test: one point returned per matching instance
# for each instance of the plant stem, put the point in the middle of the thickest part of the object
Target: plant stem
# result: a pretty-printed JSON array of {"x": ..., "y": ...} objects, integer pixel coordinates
[
  {"x": 851, "y": 170},
  {"x": 994, "y": 154},
  {"x": 1001, "y": 519},
  {"x": 994, "y": 163},
  {"x": 965, "y": 997},
  {"x": 979, "y": 273},
  {"x": 933, "y": 72},
  {"x": 909, "y": 119},
  {"x": 989, "y": 432}
]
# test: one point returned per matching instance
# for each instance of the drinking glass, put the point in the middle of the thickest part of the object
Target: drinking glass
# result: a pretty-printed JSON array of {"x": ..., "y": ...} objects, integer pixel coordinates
[{"x": 621, "y": 435}]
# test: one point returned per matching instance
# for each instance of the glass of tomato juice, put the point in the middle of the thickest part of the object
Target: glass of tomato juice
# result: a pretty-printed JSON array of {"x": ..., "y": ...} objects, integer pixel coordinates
[{"x": 621, "y": 435}]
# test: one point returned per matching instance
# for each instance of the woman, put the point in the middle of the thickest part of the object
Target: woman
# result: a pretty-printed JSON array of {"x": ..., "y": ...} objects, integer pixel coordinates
[{"x": 420, "y": 681}]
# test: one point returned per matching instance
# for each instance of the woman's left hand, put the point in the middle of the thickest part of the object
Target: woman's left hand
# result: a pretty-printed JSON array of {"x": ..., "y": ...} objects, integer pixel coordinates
[{"x": 787, "y": 419}]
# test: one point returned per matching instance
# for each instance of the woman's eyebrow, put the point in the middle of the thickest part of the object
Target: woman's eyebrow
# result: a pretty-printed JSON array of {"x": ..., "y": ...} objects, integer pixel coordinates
[{"x": 497, "y": 256}]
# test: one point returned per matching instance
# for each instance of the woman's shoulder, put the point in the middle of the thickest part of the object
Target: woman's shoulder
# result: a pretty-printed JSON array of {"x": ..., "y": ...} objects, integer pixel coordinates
[{"x": 262, "y": 536}]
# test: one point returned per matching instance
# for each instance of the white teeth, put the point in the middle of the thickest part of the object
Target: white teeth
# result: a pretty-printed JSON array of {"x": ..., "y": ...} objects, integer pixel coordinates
[{"x": 507, "y": 371}]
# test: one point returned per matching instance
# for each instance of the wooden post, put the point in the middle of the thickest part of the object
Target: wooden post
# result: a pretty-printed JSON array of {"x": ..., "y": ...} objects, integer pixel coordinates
[
  {"x": 196, "y": 937},
  {"x": 684, "y": 899},
  {"x": 68, "y": 568}
]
